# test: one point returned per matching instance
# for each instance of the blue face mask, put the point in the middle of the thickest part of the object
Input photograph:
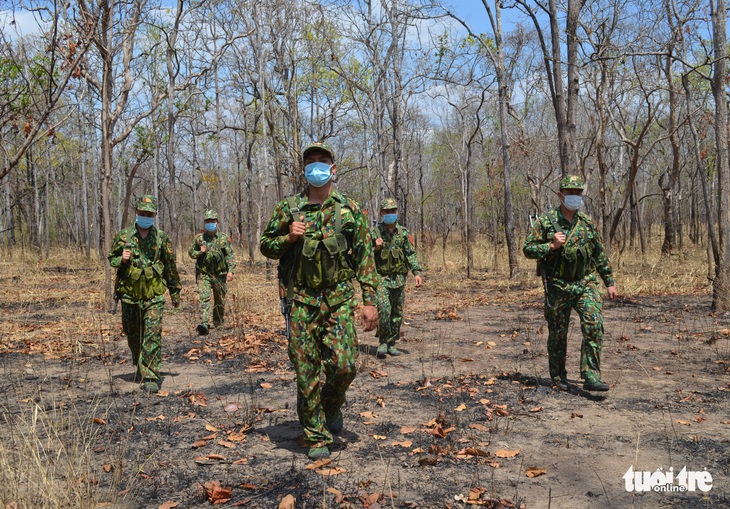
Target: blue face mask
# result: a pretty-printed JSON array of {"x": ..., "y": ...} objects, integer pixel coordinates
[
  {"x": 211, "y": 227},
  {"x": 145, "y": 222},
  {"x": 390, "y": 218},
  {"x": 318, "y": 174},
  {"x": 573, "y": 202}
]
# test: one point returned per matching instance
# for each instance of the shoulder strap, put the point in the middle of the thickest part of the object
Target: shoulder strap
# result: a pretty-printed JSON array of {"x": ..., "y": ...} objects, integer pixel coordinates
[
  {"x": 338, "y": 217},
  {"x": 293, "y": 206},
  {"x": 378, "y": 235},
  {"x": 553, "y": 217}
]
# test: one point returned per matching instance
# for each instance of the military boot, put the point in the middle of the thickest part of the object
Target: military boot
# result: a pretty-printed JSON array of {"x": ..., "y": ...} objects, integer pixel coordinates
[{"x": 382, "y": 351}]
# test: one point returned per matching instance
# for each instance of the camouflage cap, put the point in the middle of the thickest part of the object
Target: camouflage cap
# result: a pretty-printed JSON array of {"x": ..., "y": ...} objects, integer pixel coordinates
[
  {"x": 210, "y": 214},
  {"x": 319, "y": 145},
  {"x": 572, "y": 182},
  {"x": 388, "y": 203},
  {"x": 147, "y": 203}
]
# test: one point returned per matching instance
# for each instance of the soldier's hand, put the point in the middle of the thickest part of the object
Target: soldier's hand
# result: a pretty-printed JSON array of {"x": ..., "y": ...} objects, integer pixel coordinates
[
  {"x": 612, "y": 293},
  {"x": 378, "y": 243},
  {"x": 419, "y": 280},
  {"x": 369, "y": 317},
  {"x": 296, "y": 230},
  {"x": 203, "y": 248},
  {"x": 558, "y": 241},
  {"x": 229, "y": 277},
  {"x": 126, "y": 255}
]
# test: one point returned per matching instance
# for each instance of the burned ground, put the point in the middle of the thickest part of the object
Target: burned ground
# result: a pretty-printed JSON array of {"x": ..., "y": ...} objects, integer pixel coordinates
[{"x": 467, "y": 416}]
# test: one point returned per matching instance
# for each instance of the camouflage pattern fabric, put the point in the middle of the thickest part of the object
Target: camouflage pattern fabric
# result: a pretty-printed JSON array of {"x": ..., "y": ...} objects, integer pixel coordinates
[
  {"x": 565, "y": 293},
  {"x": 390, "y": 313},
  {"x": 323, "y": 340},
  {"x": 142, "y": 319},
  {"x": 212, "y": 288},
  {"x": 401, "y": 239},
  {"x": 218, "y": 258},
  {"x": 142, "y": 323},
  {"x": 211, "y": 268},
  {"x": 391, "y": 293}
]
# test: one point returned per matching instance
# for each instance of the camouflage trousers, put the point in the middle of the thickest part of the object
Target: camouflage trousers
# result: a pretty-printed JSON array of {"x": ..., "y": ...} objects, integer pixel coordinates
[
  {"x": 588, "y": 303},
  {"x": 390, "y": 313},
  {"x": 142, "y": 324},
  {"x": 212, "y": 288},
  {"x": 323, "y": 349}
]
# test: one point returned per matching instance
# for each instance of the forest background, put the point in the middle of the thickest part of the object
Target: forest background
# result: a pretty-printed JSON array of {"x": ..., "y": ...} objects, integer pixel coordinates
[{"x": 468, "y": 124}]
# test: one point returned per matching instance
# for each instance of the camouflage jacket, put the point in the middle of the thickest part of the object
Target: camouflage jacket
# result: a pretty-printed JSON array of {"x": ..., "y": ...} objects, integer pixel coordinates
[
  {"x": 218, "y": 257},
  {"x": 583, "y": 249},
  {"x": 321, "y": 224},
  {"x": 401, "y": 240},
  {"x": 155, "y": 248}
]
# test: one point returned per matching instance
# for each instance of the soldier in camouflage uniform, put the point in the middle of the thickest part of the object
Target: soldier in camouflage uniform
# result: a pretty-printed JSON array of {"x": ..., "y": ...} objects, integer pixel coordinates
[
  {"x": 214, "y": 268},
  {"x": 569, "y": 248},
  {"x": 145, "y": 263},
  {"x": 323, "y": 241},
  {"x": 394, "y": 256}
]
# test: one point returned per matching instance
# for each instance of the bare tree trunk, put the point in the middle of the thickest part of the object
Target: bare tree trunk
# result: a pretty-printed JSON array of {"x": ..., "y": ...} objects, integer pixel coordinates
[{"x": 721, "y": 284}]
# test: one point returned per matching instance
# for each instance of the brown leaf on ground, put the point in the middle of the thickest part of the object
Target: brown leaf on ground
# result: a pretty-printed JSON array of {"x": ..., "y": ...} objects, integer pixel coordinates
[
  {"x": 381, "y": 402},
  {"x": 479, "y": 427},
  {"x": 331, "y": 471},
  {"x": 216, "y": 493},
  {"x": 428, "y": 461},
  {"x": 200, "y": 443},
  {"x": 226, "y": 444},
  {"x": 536, "y": 409},
  {"x": 472, "y": 451},
  {"x": 98, "y": 420},
  {"x": 576, "y": 414},
  {"x": 241, "y": 461},
  {"x": 535, "y": 472},
  {"x": 287, "y": 502},
  {"x": 231, "y": 407},
  {"x": 169, "y": 505},
  {"x": 407, "y": 429},
  {"x": 405, "y": 443},
  {"x": 318, "y": 464},
  {"x": 339, "y": 497},
  {"x": 504, "y": 453}
]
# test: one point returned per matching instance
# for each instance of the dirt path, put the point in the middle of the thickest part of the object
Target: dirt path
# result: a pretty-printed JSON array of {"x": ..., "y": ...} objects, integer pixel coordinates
[{"x": 466, "y": 412}]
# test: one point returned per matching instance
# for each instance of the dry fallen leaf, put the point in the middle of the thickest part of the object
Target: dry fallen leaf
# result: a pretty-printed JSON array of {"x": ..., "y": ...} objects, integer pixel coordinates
[
  {"x": 405, "y": 443},
  {"x": 266, "y": 385},
  {"x": 535, "y": 472},
  {"x": 217, "y": 457},
  {"x": 169, "y": 505},
  {"x": 684, "y": 423},
  {"x": 98, "y": 420},
  {"x": 461, "y": 408},
  {"x": 576, "y": 414},
  {"x": 242, "y": 461},
  {"x": 107, "y": 468},
  {"x": 503, "y": 453},
  {"x": 479, "y": 427},
  {"x": 428, "y": 460},
  {"x": 287, "y": 502},
  {"x": 216, "y": 493},
  {"x": 226, "y": 444},
  {"x": 231, "y": 407},
  {"x": 331, "y": 471},
  {"x": 200, "y": 443},
  {"x": 536, "y": 409},
  {"x": 381, "y": 402},
  {"x": 472, "y": 451},
  {"x": 339, "y": 496},
  {"x": 379, "y": 437},
  {"x": 407, "y": 429},
  {"x": 368, "y": 415},
  {"x": 163, "y": 394},
  {"x": 212, "y": 428},
  {"x": 318, "y": 464}
]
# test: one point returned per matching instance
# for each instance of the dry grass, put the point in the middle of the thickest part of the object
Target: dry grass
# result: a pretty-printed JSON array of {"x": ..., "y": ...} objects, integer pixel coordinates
[
  {"x": 54, "y": 307},
  {"x": 49, "y": 457}
]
